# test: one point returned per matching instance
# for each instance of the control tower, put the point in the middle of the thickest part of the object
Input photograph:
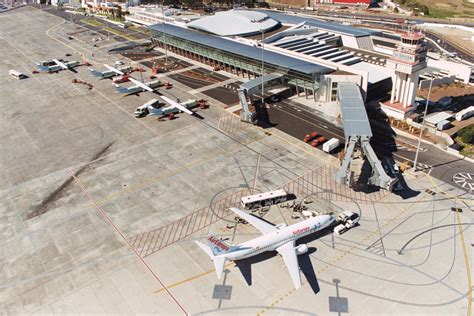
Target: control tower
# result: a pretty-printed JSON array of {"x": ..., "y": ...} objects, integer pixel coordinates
[{"x": 407, "y": 61}]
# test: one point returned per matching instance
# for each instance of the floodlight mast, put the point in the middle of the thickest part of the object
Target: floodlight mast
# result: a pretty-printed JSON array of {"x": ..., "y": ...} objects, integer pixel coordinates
[{"x": 422, "y": 126}]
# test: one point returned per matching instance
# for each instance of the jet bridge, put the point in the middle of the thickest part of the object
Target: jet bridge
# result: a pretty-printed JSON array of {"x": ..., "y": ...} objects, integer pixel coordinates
[
  {"x": 249, "y": 88},
  {"x": 357, "y": 132}
]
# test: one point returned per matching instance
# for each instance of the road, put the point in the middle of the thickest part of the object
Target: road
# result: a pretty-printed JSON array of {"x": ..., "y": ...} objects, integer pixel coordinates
[
  {"x": 382, "y": 16},
  {"x": 450, "y": 47},
  {"x": 298, "y": 121},
  {"x": 76, "y": 18}
]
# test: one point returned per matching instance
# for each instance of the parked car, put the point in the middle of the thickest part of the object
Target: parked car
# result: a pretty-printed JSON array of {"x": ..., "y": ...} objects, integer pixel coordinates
[{"x": 318, "y": 141}]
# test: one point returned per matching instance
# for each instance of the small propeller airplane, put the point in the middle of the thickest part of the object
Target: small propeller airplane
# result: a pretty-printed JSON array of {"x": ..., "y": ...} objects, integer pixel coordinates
[
  {"x": 56, "y": 65},
  {"x": 139, "y": 86},
  {"x": 280, "y": 238},
  {"x": 111, "y": 71},
  {"x": 148, "y": 109}
]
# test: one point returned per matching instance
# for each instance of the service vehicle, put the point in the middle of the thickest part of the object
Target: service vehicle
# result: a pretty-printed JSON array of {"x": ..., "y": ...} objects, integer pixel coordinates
[
  {"x": 347, "y": 220},
  {"x": 330, "y": 145},
  {"x": 143, "y": 110},
  {"x": 264, "y": 199},
  {"x": 16, "y": 74}
]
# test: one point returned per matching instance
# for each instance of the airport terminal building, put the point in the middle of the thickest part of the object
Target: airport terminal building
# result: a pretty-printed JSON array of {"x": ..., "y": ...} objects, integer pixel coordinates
[{"x": 312, "y": 55}]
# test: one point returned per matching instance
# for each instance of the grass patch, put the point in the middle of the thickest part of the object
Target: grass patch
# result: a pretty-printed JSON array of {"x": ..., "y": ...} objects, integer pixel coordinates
[
  {"x": 467, "y": 149},
  {"x": 139, "y": 29},
  {"x": 120, "y": 20},
  {"x": 121, "y": 34},
  {"x": 92, "y": 22},
  {"x": 441, "y": 13}
]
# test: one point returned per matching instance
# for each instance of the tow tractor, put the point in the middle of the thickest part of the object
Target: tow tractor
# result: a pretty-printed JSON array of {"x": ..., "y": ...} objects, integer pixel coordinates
[{"x": 346, "y": 220}]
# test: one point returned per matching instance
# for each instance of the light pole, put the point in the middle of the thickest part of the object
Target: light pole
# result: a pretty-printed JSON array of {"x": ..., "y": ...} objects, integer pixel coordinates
[
  {"x": 261, "y": 43},
  {"x": 422, "y": 126},
  {"x": 164, "y": 33}
]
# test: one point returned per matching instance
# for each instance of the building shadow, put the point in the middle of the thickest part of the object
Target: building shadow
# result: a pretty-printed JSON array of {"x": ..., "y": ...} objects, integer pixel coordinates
[
  {"x": 263, "y": 118},
  {"x": 384, "y": 144},
  {"x": 304, "y": 262}
]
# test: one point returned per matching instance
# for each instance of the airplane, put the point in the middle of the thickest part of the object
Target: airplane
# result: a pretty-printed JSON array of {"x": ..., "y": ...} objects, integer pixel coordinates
[
  {"x": 280, "y": 238},
  {"x": 139, "y": 86},
  {"x": 56, "y": 65},
  {"x": 111, "y": 72},
  {"x": 148, "y": 109}
]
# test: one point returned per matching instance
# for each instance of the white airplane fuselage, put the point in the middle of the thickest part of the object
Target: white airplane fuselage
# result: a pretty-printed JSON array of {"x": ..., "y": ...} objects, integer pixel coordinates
[{"x": 273, "y": 240}]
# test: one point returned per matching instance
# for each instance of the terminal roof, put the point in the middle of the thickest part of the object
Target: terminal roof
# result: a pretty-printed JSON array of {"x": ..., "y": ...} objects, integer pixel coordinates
[
  {"x": 330, "y": 26},
  {"x": 234, "y": 22},
  {"x": 248, "y": 51}
]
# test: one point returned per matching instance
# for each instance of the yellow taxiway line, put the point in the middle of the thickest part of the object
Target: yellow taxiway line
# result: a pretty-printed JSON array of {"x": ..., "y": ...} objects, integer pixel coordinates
[{"x": 463, "y": 243}]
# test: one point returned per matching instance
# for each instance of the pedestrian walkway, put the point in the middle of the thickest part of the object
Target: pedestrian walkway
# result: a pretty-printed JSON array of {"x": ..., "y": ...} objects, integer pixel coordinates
[{"x": 213, "y": 86}]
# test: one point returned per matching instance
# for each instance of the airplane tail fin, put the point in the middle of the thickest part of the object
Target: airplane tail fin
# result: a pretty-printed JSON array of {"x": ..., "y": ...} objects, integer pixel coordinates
[
  {"x": 211, "y": 249},
  {"x": 218, "y": 247},
  {"x": 43, "y": 68},
  {"x": 155, "y": 112},
  {"x": 95, "y": 73},
  {"x": 120, "y": 89}
]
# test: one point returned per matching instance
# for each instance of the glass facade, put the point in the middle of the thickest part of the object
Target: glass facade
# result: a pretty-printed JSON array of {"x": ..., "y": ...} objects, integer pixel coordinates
[{"x": 234, "y": 62}]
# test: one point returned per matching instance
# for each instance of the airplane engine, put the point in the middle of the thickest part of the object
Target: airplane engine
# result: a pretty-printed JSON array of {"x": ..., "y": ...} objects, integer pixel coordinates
[{"x": 301, "y": 249}]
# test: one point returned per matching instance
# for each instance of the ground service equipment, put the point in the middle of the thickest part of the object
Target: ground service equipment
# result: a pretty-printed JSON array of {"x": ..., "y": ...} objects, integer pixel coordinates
[{"x": 330, "y": 145}]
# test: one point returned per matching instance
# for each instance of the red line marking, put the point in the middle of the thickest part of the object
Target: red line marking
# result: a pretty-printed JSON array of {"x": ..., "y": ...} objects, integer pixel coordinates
[
  {"x": 185, "y": 223},
  {"x": 176, "y": 230},
  {"x": 208, "y": 211},
  {"x": 169, "y": 234},
  {"x": 164, "y": 235},
  {"x": 145, "y": 243},
  {"x": 139, "y": 243},
  {"x": 200, "y": 218},
  {"x": 152, "y": 234},
  {"x": 153, "y": 249},
  {"x": 145, "y": 250},
  {"x": 194, "y": 224},
  {"x": 133, "y": 239},
  {"x": 189, "y": 224},
  {"x": 108, "y": 220}
]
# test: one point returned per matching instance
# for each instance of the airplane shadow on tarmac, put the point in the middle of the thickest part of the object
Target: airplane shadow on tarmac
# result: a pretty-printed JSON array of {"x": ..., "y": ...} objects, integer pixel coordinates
[{"x": 304, "y": 261}]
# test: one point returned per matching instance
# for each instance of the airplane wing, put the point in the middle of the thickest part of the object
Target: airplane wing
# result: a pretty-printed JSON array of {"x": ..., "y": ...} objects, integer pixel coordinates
[
  {"x": 118, "y": 72},
  {"x": 176, "y": 105},
  {"x": 141, "y": 84},
  {"x": 259, "y": 224},
  {"x": 60, "y": 64},
  {"x": 288, "y": 253}
]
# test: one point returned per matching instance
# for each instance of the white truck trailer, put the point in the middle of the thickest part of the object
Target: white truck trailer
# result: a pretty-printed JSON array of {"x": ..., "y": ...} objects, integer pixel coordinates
[
  {"x": 330, "y": 145},
  {"x": 142, "y": 110}
]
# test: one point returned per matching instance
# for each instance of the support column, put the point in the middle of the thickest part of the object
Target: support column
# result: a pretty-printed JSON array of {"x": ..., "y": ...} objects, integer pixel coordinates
[
  {"x": 407, "y": 91},
  {"x": 403, "y": 88}
]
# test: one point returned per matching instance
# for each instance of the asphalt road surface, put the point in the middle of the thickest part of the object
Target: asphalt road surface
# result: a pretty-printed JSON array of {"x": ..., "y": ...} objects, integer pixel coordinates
[
  {"x": 450, "y": 48},
  {"x": 298, "y": 121}
]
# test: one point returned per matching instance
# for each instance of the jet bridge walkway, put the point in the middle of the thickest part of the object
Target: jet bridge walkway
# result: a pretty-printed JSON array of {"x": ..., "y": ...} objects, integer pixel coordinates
[
  {"x": 251, "y": 87},
  {"x": 357, "y": 132}
]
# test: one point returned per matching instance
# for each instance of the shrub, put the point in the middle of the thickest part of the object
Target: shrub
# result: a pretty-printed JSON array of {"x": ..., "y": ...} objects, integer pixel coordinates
[{"x": 467, "y": 134}]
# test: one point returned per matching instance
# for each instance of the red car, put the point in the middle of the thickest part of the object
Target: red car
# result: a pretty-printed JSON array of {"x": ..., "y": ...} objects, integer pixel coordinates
[
  {"x": 318, "y": 141},
  {"x": 310, "y": 137}
]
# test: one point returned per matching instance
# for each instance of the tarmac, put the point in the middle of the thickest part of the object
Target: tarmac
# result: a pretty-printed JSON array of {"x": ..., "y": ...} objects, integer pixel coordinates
[{"x": 100, "y": 209}]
